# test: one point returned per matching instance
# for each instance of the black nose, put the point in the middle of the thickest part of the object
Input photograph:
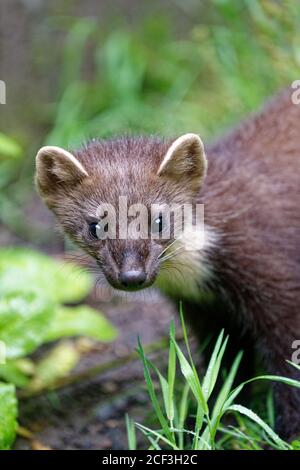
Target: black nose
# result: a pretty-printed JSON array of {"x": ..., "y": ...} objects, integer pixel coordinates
[{"x": 132, "y": 279}]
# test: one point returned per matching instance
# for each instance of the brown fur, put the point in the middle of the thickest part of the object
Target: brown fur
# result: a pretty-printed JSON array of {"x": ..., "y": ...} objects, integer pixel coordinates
[{"x": 251, "y": 196}]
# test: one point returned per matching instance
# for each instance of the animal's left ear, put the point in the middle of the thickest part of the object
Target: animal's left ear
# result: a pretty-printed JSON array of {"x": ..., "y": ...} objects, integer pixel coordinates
[{"x": 185, "y": 160}]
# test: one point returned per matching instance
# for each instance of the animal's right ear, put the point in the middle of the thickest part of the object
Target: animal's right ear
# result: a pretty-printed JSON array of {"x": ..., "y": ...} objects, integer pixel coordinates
[
  {"x": 185, "y": 161},
  {"x": 56, "y": 167}
]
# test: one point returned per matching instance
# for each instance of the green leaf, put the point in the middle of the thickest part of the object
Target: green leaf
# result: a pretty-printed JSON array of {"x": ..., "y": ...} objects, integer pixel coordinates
[
  {"x": 152, "y": 393},
  {"x": 55, "y": 365},
  {"x": 80, "y": 321},
  {"x": 8, "y": 415},
  {"x": 26, "y": 270},
  {"x": 12, "y": 373},
  {"x": 271, "y": 409},
  {"x": 171, "y": 374},
  {"x": 131, "y": 435},
  {"x": 183, "y": 411},
  {"x": 254, "y": 417},
  {"x": 272, "y": 378},
  {"x": 295, "y": 444},
  {"x": 191, "y": 377},
  {"x": 24, "y": 321},
  {"x": 214, "y": 365},
  {"x": 297, "y": 366},
  {"x": 226, "y": 388},
  {"x": 164, "y": 387},
  {"x": 158, "y": 435},
  {"x": 210, "y": 432}
]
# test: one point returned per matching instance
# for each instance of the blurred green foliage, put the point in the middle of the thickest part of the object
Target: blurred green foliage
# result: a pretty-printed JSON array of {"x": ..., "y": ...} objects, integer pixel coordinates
[
  {"x": 30, "y": 271},
  {"x": 150, "y": 81},
  {"x": 33, "y": 290},
  {"x": 10, "y": 158},
  {"x": 8, "y": 415}
]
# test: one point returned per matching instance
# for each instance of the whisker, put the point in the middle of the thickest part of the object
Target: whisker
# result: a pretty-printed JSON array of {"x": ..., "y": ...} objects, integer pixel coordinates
[
  {"x": 174, "y": 253},
  {"x": 167, "y": 247}
]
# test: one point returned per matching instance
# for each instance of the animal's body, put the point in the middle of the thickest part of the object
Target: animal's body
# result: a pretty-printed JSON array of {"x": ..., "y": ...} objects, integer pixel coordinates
[{"x": 250, "y": 258}]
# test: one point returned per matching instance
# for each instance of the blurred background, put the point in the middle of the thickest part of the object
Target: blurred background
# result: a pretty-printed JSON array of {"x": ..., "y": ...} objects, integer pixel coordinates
[{"x": 76, "y": 70}]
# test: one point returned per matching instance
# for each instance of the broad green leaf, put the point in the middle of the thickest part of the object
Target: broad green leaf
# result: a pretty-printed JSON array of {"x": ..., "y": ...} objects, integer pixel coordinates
[
  {"x": 24, "y": 321},
  {"x": 26, "y": 270},
  {"x": 55, "y": 365},
  {"x": 8, "y": 415},
  {"x": 11, "y": 373},
  {"x": 80, "y": 321}
]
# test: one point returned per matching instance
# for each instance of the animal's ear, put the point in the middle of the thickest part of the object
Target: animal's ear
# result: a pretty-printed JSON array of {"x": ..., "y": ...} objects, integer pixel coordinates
[
  {"x": 185, "y": 161},
  {"x": 57, "y": 167}
]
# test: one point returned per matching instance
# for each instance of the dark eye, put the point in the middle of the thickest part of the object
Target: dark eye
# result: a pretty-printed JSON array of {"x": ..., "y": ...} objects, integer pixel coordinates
[
  {"x": 157, "y": 224},
  {"x": 93, "y": 229},
  {"x": 99, "y": 229}
]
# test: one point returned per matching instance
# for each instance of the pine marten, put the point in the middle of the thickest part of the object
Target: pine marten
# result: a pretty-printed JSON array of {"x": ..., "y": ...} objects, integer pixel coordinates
[{"x": 249, "y": 258}]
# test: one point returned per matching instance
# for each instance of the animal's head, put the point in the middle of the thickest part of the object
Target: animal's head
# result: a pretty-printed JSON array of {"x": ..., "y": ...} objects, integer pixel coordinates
[{"x": 91, "y": 189}]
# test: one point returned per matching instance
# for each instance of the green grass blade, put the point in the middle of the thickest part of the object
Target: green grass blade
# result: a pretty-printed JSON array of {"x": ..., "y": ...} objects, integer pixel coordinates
[
  {"x": 154, "y": 444},
  {"x": 198, "y": 443},
  {"x": 254, "y": 417},
  {"x": 131, "y": 436},
  {"x": 187, "y": 344},
  {"x": 270, "y": 408},
  {"x": 226, "y": 388},
  {"x": 163, "y": 384},
  {"x": 152, "y": 393},
  {"x": 272, "y": 378},
  {"x": 171, "y": 374},
  {"x": 214, "y": 366},
  {"x": 233, "y": 395},
  {"x": 277, "y": 378},
  {"x": 297, "y": 366},
  {"x": 206, "y": 386},
  {"x": 183, "y": 411},
  {"x": 191, "y": 377},
  {"x": 199, "y": 396},
  {"x": 159, "y": 436},
  {"x": 210, "y": 432}
]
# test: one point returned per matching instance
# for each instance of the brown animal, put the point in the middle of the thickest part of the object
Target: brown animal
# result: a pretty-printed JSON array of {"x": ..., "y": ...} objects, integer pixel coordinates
[{"x": 250, "y": 257}]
